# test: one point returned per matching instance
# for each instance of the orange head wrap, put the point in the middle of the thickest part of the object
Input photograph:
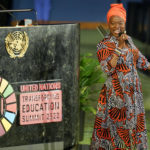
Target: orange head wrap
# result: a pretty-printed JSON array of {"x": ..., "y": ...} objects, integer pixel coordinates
[{"x": 116, "y": 10}]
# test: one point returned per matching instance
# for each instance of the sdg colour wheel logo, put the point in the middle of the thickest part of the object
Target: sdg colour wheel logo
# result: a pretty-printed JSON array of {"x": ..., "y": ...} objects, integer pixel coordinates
[{"x": 8, "y": 106}]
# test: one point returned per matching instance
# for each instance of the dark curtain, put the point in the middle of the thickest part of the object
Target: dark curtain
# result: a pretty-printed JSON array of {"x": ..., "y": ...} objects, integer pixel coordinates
[
  {"x": 138, "y": 21},
  {"x": 5, "y": 17}
]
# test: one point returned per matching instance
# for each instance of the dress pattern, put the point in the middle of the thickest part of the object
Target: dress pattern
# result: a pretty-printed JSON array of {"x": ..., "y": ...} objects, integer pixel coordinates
[{"x": 120, "y": 119}]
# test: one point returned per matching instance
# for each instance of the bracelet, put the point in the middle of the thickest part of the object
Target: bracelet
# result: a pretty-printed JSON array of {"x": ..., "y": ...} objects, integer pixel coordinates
[
  {"x": 119, "y": 48},
  {"x": 118, "y": 51}
]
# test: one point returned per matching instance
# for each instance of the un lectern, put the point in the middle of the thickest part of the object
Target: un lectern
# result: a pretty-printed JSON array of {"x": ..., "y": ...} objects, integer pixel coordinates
[{"x": 39, "y": 68}]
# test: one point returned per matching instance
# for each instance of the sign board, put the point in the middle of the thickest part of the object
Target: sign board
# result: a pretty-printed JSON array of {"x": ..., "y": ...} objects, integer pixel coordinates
[{"x": 40, "y": 103}]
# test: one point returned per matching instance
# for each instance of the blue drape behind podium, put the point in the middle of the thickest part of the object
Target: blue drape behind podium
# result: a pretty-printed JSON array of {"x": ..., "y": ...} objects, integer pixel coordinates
[
  {"x": 69, "y": 10},
  {"x": 43, "y": 9}
]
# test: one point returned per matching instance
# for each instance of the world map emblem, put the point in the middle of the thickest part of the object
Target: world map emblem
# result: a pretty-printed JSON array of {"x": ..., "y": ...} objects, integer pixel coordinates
[{"x": 17, "y": 43}]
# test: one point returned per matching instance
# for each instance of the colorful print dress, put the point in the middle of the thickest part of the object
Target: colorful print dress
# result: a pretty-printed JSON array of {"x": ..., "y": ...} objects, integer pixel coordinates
[{"x": 120, "y": 119}]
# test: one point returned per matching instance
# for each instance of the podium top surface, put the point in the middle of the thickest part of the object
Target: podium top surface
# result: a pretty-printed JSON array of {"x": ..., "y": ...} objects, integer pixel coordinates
[{"x": 23, "y": 26}]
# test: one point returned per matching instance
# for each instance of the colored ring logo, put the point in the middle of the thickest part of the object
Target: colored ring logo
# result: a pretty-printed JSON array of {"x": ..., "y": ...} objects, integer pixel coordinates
[{"x": 8, "y": 106}]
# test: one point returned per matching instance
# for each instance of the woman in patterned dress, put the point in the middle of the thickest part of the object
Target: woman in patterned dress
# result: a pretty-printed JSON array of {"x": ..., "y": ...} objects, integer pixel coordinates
[{"x": 120, "y": 119}]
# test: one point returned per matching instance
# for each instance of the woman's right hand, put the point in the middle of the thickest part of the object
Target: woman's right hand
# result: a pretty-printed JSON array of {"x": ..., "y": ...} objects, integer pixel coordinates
[{"x": 114, "y": 60}]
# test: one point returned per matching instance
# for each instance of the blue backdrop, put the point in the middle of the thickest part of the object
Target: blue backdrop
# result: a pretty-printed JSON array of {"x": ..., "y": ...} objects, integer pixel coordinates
[{"x": 67, "y": 10}]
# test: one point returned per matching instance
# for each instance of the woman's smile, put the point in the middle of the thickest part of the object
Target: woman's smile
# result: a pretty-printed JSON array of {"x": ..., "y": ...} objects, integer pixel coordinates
[{"x": 116, "y": 25}]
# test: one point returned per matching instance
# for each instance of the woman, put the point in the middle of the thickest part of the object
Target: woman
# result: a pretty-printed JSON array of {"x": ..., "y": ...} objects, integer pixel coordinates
[{"x": 120, "y": 118}]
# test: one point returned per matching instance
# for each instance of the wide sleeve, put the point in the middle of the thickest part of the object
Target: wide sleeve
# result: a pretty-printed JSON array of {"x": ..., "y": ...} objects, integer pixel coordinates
[
  {"x": 104, "y": 54},
  {"x": 142, "y": 62}
]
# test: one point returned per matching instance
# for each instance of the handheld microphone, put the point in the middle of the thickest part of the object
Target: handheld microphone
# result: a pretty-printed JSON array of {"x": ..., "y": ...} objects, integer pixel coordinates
[{"x": 124, "y": 32}]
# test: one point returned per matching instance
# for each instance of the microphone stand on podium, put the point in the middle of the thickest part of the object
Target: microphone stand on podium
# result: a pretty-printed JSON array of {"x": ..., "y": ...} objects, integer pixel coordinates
[{"x": 20, "y": 10}]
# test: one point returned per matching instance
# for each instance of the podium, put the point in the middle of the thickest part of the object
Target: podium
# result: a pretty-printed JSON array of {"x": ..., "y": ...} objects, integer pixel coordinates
[{"x": 39, "y": 87}]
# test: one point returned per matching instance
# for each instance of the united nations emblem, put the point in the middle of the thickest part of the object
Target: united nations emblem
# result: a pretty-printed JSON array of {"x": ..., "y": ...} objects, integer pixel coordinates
[{"x": 16, "y": 44}]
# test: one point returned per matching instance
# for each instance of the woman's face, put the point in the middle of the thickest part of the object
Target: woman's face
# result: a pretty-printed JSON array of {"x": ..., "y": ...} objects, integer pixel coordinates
[{"x": 116, "y": 25}]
